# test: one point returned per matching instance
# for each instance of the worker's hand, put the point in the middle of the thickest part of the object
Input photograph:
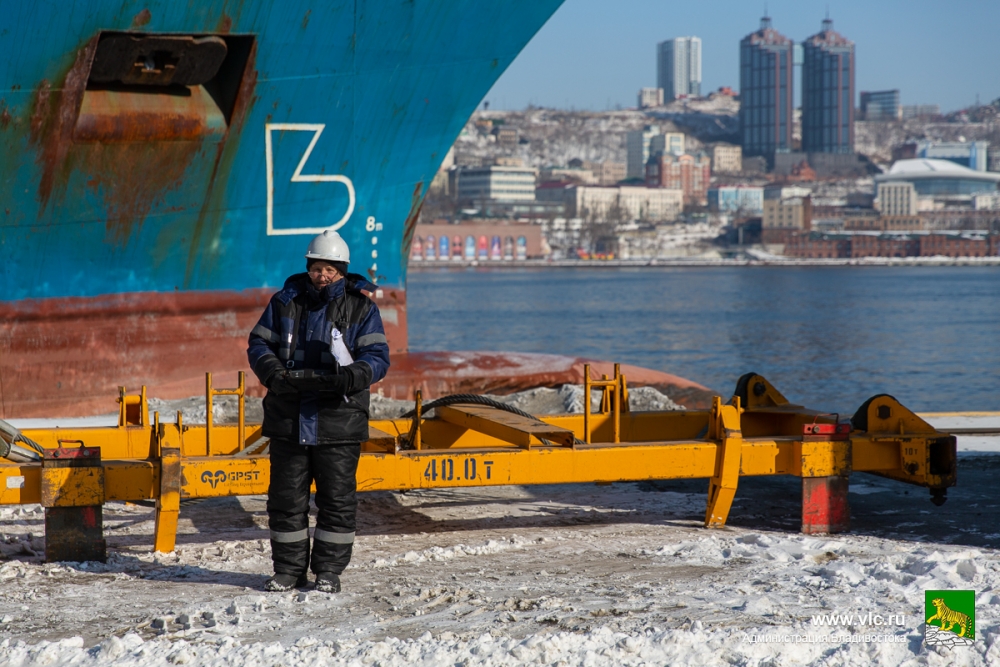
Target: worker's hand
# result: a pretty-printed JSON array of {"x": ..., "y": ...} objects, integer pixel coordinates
[
  {"x": 358, "y": 377},
  {"x": 280, "y": 384},
  {"x": 336, "y": 383},
  {"x": 309, "y": 380},
  {"x": 345, "y": 381}
]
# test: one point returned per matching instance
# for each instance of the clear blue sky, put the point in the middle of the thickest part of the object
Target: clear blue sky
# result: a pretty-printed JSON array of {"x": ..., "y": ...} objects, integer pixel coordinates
[{"x": 594, "y": 54}]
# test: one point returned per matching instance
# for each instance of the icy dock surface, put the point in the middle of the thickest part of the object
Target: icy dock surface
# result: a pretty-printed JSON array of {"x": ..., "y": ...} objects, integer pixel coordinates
[{"x": 551, "y": 575}]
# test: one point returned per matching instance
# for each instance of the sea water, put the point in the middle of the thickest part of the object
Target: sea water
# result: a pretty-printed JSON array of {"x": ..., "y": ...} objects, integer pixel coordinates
[{"x": 826, "y": 337}]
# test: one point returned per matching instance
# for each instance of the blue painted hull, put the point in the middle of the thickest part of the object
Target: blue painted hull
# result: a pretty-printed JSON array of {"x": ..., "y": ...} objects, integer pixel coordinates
[
  {"x": 338, "y": 115},
  {"x": 389, "y": 84}
]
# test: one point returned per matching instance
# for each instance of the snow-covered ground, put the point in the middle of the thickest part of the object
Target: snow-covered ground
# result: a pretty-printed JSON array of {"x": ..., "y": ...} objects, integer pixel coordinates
[{"x": 551, "y": 575}]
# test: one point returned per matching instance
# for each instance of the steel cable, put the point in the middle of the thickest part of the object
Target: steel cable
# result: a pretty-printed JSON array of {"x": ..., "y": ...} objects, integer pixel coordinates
[{"x": 11, "y": 438}]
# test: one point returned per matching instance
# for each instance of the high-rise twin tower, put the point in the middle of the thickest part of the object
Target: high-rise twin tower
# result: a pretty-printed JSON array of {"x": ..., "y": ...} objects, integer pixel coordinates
[{"x": 767, "y": 63}]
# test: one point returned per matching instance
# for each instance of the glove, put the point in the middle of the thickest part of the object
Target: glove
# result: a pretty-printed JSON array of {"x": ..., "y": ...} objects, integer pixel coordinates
[
  {"x": 279, "y": 383},
  {"x": 359, "y": 377},
  {"x": 348, "y": 380},
  {"x": 309, "y": 380}
]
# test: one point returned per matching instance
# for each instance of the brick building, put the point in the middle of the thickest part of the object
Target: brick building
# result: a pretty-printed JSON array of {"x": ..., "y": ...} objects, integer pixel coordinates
[
  {"x": 959, "y": 245},
  {"x": 884, "y": 245},
  {"x": 884, "y": 223},
  {"x": 787, "y": 212},
  {"x": 818, "y": 246},
  {"x": 867, "y": 244},
  {"x": 688, "y": 173}
]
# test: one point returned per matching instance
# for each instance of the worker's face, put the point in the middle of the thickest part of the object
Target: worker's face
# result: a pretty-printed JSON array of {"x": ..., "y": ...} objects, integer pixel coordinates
[{"x": 323, "y": 273}]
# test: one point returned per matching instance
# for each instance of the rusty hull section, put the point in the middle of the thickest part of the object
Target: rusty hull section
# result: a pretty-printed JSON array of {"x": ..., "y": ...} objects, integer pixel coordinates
[
  {"x": 130, "y": 147},
  {"x": 67, "y": 357},
  {"x": 112, "y": 116},
  {"x": 53, "y": 118}
]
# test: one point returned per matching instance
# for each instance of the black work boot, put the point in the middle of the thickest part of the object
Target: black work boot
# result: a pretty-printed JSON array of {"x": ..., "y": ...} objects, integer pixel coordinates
[
  {"x": 285, "y": 582},
  {"x": 327, "y": 582}
]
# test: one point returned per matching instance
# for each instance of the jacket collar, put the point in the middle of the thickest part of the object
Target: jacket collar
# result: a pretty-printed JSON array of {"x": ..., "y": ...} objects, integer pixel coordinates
[{"x": 299, "y": 283}]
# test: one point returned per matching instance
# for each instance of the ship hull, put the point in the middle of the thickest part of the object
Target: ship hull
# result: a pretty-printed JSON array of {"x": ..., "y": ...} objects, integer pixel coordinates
[
  {"x": 69, "y": 357},
  {"x": 164, "y": 165},
  {"x": 154, "y": 193}
]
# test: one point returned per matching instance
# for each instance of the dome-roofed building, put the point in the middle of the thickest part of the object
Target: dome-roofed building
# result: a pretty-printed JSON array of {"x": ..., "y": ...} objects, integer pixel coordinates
[{"x": 940, "y": 179}]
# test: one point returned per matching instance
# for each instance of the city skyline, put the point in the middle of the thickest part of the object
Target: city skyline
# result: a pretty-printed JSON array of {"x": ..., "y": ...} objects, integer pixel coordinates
[{"x": 594, "y": 55}]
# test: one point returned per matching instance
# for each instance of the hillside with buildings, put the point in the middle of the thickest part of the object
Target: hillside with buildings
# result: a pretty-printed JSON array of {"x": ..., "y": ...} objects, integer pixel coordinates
[{"x": 725, "y": 174}]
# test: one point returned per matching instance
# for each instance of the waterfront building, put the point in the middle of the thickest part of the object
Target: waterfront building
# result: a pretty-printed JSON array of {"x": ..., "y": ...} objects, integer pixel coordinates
[
  {"x": 637, "y": 148},
  {"x": 828, "y": 92},
  {"x": 960, "y": 244},
  {"x": 896, "y": 198},
  {"x": 678, "y": 67},
  {"x": 944, "y": 181},
  {"x": 726, "y": 159},
  {"x": 688, "y": 173},
  {"x": 787, "y": 211},
  {"x": 497, "y": 183},
  {"x": 883, "y": 223},
  {"x": 971, "y": 154},
  {"x": 766, "y": 90},
  {"x": 818, "y": 245},
  {"x": 894, "y": 244},
  {"x": 477, "y": 240},
  {"x": 625, "y": 202},
  {"x": 650, "y": 97},
  {"x": 880, "y": 105},
  {"x": 738, "y": 199},
  {"x": 885, "y": 245}
]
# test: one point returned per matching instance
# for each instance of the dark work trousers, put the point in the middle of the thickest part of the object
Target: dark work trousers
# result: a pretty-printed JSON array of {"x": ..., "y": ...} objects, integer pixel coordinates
[{"x": 294, "y": 467}]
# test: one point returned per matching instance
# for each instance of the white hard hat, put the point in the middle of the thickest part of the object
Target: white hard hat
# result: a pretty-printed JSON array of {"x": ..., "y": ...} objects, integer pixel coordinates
[{"x": 330, "y": 247}]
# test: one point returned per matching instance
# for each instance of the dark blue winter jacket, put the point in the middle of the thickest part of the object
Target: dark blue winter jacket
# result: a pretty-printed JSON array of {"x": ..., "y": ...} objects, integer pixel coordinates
[{"x": 294, "y": 333}]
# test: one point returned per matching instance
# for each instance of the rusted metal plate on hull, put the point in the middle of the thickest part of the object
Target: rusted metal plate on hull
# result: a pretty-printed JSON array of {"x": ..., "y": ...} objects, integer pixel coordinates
[{"x": 183, "y": 114}]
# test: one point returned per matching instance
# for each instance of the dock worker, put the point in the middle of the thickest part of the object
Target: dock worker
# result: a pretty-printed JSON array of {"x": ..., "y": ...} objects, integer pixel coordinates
[{"x": 317, "y": 348}]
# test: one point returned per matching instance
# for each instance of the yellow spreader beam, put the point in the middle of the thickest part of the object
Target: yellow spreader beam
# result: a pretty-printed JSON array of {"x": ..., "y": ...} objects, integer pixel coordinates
[{"x": 757, "y": 432}]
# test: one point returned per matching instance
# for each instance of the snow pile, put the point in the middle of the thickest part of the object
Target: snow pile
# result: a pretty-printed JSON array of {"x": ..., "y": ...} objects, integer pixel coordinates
[
  {"x": 568, "y": 399},
  {"x": 459, "y": 550},
  {"x": 540, "y": 401},
  {"x": 603, "y": 646},
  {"x": 225, "y": 409}
]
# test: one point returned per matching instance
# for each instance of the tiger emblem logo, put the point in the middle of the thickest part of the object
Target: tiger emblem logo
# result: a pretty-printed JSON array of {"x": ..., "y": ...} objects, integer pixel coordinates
[{"x": 949, "y": 618}]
